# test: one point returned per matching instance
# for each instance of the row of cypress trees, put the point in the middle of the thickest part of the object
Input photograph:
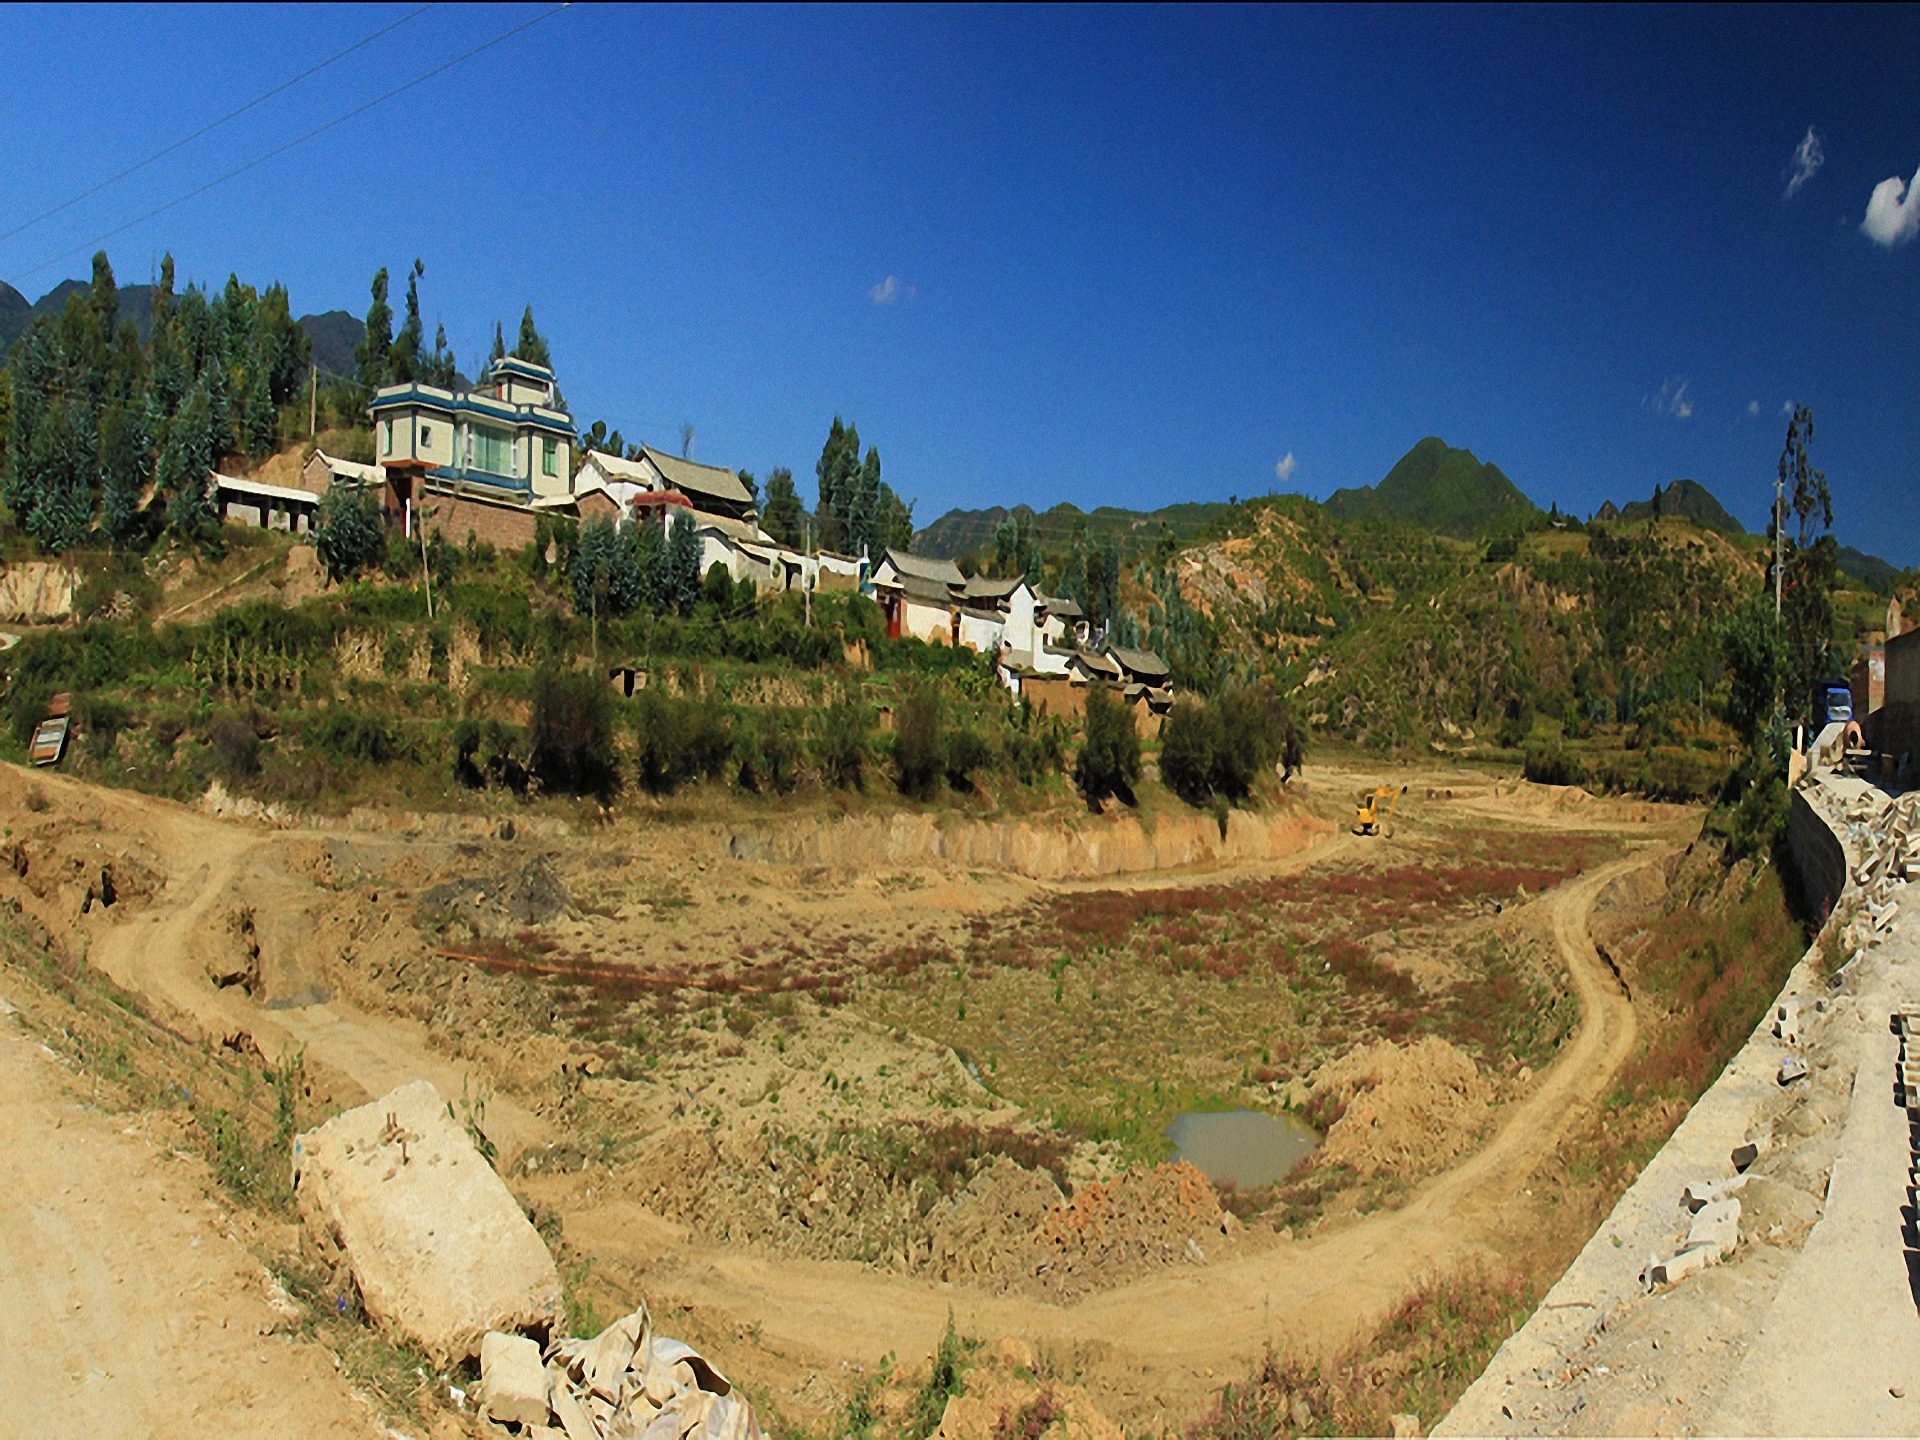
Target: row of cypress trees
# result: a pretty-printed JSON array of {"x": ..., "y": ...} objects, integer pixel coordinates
[{"x": 98, "y": 416}]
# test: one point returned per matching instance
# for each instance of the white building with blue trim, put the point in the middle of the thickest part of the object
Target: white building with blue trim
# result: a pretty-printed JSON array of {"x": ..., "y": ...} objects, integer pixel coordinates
[{"x": 506, "y": 439}]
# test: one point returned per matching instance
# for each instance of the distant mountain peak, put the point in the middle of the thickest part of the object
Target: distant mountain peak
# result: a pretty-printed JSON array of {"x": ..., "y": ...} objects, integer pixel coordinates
[{"x": 1436, "y": 486}]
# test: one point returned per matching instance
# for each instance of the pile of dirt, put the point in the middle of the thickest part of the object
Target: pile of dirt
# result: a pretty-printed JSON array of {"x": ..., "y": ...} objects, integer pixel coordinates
[
  {"x": 1400, "y": 1109},
  {"x": 496, "y": 905},
  {"x": 1009, "y": 1228},
  {"x": 1141, "y": 1221}
]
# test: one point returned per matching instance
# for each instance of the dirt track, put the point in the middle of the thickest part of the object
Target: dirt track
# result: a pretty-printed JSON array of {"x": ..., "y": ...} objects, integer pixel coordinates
[
  {"x": 130, "y": 1308},
  {"x": 1164, "y": 1342}
]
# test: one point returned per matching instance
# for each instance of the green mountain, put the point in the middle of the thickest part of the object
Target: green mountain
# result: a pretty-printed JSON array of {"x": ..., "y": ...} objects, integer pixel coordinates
[
  {"x": 1870, "y": 570},
  {"x": 959, "y": 531},
  {"x": 335, "y": 334},
  {"x": 1687, "y": 499},
  {"x": 1436, "y": 487}
]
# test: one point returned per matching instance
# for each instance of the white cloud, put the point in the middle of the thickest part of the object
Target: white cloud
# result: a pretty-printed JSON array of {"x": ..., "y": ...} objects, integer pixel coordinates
[
  {"x": 1807, "y": 158},
  {"x": 1284, "y": 470},
  {"x": 1753, "y": 407},
  {"x": 1892, "y": 220},
  {"x": 1672, "y": 399},
  {"x": 889, "y": 290},
  {"x": 1786, "y": 407}
]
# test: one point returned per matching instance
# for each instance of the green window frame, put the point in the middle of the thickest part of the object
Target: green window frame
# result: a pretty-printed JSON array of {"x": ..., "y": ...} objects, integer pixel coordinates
[{"x": 549, "y": 456}]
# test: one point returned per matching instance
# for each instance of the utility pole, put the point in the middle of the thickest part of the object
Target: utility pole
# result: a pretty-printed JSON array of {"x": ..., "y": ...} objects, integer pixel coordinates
[
  {"x": 1779, "y": 539},
  {"x": 313, "y": 402}
]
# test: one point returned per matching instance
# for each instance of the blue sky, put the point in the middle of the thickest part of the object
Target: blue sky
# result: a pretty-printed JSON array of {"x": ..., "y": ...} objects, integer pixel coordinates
[{"x": 1106, "y": 256}]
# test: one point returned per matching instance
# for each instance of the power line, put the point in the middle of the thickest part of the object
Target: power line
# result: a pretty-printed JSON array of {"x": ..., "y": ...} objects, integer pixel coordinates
[
  {"x": 205, "y": 129},
  {"x": 291, "y": 144}
]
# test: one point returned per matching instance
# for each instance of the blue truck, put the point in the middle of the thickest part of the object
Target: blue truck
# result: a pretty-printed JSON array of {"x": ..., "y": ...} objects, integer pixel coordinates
[{"x": 1832, "y": 702}]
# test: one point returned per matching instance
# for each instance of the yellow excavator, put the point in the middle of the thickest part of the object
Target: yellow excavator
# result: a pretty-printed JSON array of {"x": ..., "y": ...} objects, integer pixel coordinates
[{"x": 1368, "y": 819}]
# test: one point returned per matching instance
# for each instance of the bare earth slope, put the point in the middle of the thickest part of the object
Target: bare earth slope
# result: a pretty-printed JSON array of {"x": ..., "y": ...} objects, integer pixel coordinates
[{"x": 126, "y": 1306}]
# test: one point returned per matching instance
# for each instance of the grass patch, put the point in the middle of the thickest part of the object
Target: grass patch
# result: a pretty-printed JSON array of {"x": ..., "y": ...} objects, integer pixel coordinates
[{"x": 1419, "y": 1362}]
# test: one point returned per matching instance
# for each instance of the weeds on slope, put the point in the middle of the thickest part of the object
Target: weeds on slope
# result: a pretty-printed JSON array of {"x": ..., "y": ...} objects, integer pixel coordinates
[{"x": 1418, "y": 1362}]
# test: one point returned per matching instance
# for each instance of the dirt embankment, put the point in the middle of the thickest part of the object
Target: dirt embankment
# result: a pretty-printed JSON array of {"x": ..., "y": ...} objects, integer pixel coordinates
[{"x": 1112, "y": 844}]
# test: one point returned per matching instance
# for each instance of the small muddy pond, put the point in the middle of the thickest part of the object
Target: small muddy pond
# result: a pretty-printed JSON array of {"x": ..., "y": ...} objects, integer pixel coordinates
[{"x": 1244, "y": 1149}]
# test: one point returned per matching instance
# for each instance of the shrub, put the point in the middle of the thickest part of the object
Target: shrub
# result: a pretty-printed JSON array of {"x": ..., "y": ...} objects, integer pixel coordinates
[
  {"x": 1187, "y": 749},
  {"x": 968, "y": 751},
  {"x": 572, "y": 735},
  {"x": 1222, "y": 747},
  {"x": 1034, "y": 744},
  {"x": 918, "y": 761},
  {"x": 354, "y": 736},
  {"x": 234, "y": 747},
  {"x": 1551, "y": 763},
  {"x": 842, "y": 743},
  {"x": 489, "y": 753},
  {"x": 1109, "y": 761},
  {"x": 349, "y": 533},
  {"x": 717, "y": 588},
  {"x": 679, "y": 740}
]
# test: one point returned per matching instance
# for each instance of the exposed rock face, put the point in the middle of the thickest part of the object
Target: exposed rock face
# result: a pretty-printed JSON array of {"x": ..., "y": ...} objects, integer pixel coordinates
[
  {"x": 437, "y": 1245},
  {"x": 36, "y": 591}
]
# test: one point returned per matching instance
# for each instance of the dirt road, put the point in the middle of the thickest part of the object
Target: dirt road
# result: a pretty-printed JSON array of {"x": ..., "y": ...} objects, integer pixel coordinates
[{"x": 126, "y": 1305}]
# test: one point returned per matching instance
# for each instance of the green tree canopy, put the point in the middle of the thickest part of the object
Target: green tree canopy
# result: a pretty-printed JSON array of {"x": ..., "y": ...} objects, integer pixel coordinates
[{"x": 533, "y": 346}]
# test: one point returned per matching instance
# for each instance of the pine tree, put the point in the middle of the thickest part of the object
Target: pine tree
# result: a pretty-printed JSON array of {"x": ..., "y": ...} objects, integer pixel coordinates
[
  {"x": 863, "y": 509},
  {"x": 533, "y": 346},
  {"x": 839, "y": 462},
  {"x": 105, "y": 294},
  {"x": 683, "y": 566},
  {"x": 65, "y": 464},
  {"x": 167, "y": 367},
  {"x": 403, "y": 359},
  {"x": 781, "y": 516},
  {"x": 372, "y": 353},
  {"x": 123, "y": 470},
  {"x": 499, "y": 351},
  {"x": 186, "y": 466},
  {"x": 650, "y": 566},
  {"x": 258, "y": 422}
]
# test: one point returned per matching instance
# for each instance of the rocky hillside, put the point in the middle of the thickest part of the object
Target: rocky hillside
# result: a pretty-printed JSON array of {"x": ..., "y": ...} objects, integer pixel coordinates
[{"x": 1395, "y": 636}]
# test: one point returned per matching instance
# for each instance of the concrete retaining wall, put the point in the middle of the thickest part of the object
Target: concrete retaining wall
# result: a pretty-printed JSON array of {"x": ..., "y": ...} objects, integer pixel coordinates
[
  {"x": 1640, "y": 1227},
  {"x": 1817, "y": 856}
]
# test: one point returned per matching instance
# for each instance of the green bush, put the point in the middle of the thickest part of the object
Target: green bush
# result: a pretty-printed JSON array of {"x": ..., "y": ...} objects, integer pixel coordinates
[
  {"x": 1223, "y": 746},
  {"x": 1549, "y": 762},
  {"x": 918, "y": 754},
  {"x": 1109, "y": 760},
  {"x": 968, "y": 752},
  {"x": 768, "y": 751},
  {"x": 349, "y": 532},
  {"x": 489, "y": 752},
  {"x": 235, "y": 748},
  {"x": 1034, "y": 744},
  {"x": 1188, "y": 746},
  {"x": 680, "y": 739},
  {"x": 843, "y": 742},
  {"x": 572, "y": 732},
  {"x": 354, "y": 736}
]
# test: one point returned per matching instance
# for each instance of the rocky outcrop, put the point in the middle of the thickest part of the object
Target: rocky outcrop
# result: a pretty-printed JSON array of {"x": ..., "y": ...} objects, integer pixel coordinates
[{"x": 36, "y": 591}]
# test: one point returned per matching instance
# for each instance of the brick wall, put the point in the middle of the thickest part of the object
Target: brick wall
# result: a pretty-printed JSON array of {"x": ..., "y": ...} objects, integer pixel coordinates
[{"x": 505, "y": 527}]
